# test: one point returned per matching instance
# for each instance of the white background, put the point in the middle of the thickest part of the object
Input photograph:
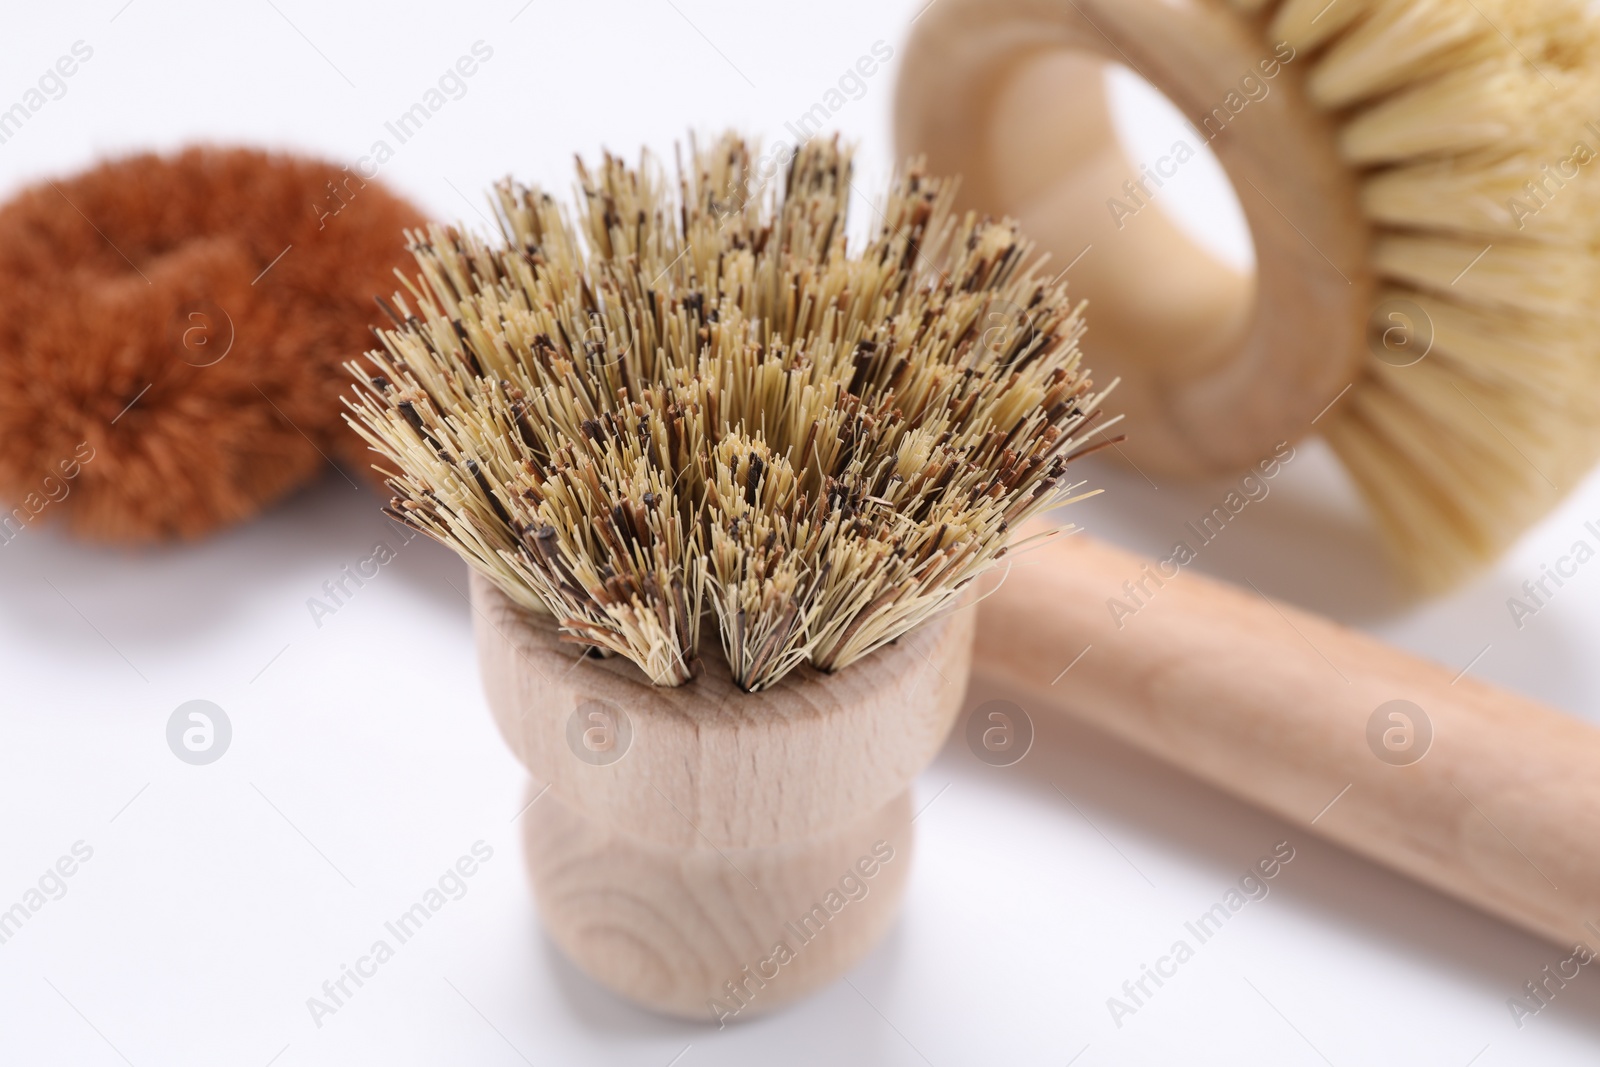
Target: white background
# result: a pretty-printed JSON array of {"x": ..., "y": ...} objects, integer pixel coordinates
[{"x": 363, "y": 761}]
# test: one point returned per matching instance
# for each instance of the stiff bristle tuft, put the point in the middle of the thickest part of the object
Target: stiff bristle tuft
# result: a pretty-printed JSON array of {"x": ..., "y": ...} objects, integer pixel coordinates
[
  {"x": 692, "y": 400},
  {"x": 1475, "y": 128}
]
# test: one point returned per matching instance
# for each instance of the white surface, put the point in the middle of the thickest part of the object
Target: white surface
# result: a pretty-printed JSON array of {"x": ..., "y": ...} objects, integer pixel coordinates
[{"x": 363, "y": 763}]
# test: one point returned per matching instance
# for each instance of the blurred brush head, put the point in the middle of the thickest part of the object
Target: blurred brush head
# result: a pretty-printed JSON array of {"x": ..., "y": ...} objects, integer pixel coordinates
[{"x": 691, "y": 399}]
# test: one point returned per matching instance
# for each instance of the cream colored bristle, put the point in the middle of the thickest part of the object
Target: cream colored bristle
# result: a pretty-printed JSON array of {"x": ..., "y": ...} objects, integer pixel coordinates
[
  {"x": 1475, "y": 130},
  {"x": 1398, "y": 43},
  {"x": 689, "y": 401},
  {"x": 1306, "y": 24},
  {"x": 1497, "y": 105}
]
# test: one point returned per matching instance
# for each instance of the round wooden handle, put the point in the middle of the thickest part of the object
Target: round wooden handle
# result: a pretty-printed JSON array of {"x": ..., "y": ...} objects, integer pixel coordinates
[
  {"x": 1216, "y": 368},
  {"x": 1480, "y": 793}
]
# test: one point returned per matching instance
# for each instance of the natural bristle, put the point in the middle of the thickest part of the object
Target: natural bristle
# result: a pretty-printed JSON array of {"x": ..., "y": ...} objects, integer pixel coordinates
[
  {"x": 1476, "y": 132},
  {"x": 690, "y": 401}
]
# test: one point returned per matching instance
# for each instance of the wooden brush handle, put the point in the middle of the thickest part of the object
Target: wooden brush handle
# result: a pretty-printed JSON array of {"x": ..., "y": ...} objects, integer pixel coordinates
[
  {"x": 691, "y": 832},
  {"x": 1273, "y": 704},
  {"x": 1216, "y": 367}
]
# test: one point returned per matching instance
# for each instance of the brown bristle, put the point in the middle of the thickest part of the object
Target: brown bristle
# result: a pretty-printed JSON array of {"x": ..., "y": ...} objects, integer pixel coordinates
[{"x": 691, "y": 398}]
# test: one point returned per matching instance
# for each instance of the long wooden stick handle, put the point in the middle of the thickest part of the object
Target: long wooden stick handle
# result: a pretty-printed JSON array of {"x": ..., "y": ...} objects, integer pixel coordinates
[{"x": 1295, "y": 714}]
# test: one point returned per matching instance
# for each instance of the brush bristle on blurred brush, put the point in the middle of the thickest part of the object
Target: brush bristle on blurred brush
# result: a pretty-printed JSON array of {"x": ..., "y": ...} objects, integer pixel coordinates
[
  {"x": 693, "y": 400},
  {"x": 1476, "y": 129}
]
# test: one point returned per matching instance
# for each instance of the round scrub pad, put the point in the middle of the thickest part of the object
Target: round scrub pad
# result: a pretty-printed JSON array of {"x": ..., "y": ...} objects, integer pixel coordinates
[{"x": 171, "y": 335}]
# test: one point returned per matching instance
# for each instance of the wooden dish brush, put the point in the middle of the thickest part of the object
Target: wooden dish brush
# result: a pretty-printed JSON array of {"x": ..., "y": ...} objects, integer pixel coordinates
[
  {"x": 690, "y": 410},
  {"x": 1419, "y": 180}
]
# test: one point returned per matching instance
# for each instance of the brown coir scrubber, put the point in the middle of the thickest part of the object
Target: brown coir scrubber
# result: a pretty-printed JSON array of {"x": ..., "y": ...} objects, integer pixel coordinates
[{"x": 180, "y": 321}]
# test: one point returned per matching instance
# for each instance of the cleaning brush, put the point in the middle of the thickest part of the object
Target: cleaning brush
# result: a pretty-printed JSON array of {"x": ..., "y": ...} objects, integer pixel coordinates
[
  {"x": 694, "y": 402},
  {"x": 1418, "y": 176}
]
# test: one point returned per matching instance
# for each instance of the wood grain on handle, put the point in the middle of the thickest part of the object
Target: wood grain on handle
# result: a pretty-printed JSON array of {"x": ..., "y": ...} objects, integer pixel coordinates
[
  {"x": 1216, "y": 368},
  {"x": 1272, "y": 704}
]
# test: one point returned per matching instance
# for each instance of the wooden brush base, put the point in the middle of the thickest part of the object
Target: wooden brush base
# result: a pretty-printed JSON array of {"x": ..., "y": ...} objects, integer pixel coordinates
[
  {"x": 716, "y": 934},
  {"x": 685, "y": 835}
]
